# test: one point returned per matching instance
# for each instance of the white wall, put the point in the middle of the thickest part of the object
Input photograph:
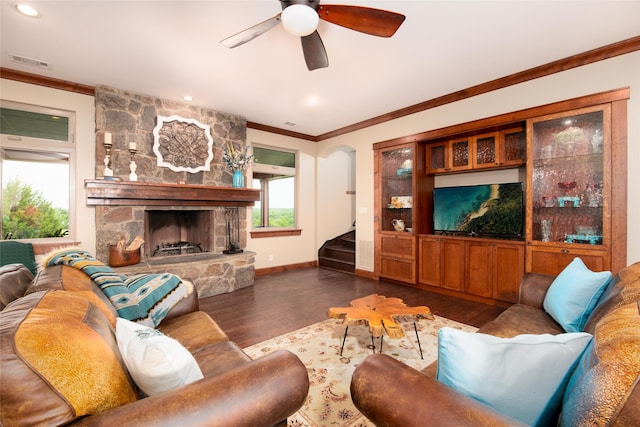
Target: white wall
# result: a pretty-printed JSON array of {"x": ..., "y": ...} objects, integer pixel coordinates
[
  {"x": 84, "y": 108},
  {"x": 602, "y": 76}
]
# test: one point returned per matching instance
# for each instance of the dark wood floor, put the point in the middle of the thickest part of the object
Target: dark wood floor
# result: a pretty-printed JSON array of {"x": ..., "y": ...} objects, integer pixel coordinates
[{"x": 283, "y": 302}]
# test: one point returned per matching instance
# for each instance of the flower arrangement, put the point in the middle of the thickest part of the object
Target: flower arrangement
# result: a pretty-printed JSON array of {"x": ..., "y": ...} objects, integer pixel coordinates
[{"x": 237, "y": 160}]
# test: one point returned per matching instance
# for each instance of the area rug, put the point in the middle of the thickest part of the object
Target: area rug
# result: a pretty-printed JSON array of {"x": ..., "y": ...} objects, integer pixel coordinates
[{"x": 318, "y": 347}]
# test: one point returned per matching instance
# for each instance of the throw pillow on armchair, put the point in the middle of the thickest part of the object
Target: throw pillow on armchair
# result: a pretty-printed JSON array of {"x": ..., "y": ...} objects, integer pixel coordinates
[{"x": 523, "y": 377}]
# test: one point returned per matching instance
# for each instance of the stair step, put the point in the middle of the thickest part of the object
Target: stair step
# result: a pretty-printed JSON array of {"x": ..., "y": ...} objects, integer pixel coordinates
[
  {"x": 348, "y": 243},
  {"x": 340, "y": 252},
  {"x": 336, "y": 264}
]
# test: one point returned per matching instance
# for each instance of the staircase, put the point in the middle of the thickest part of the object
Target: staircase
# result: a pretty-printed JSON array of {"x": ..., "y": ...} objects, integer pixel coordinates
[{"x": 339, "y": 253}]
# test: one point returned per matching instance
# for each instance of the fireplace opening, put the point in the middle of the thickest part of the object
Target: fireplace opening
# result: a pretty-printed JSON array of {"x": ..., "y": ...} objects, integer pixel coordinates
[{"x": 178, "y": 232}]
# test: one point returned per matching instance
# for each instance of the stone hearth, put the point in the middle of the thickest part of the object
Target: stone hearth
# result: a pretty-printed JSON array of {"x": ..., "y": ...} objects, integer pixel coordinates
[{"x": 212, "y": 274}]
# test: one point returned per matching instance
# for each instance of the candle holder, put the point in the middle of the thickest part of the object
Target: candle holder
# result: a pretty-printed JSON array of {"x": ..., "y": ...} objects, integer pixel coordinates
[
  {"x": 132, "y": 166},
  {"x": 108, "y": 170}
]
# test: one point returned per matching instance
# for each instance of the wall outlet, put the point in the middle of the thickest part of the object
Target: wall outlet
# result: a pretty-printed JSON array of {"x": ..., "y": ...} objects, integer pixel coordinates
[{"x": 270, "y": 257}]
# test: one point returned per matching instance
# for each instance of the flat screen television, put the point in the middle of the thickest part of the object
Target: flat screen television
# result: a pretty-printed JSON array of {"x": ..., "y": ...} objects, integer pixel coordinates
[{"x": 492, "y": 210}]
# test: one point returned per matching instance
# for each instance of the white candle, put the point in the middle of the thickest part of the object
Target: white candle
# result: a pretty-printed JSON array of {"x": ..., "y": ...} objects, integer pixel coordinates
[
  {"x": 132, "y": 146},
  {"x": 107, "y": 138}
]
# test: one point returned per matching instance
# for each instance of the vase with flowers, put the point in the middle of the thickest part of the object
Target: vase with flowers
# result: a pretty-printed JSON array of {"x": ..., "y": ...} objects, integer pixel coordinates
[{"x": 237, "y": 161}]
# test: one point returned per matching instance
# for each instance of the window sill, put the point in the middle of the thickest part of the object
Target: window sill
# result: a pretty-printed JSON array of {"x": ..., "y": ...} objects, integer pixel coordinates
[{"x": 259, "y": 234}]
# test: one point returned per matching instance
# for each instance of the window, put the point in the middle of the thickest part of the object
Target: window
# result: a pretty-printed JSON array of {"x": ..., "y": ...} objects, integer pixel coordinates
[
  {"x": 274, "y": 173},
  {"x": 36, "y": 171}
]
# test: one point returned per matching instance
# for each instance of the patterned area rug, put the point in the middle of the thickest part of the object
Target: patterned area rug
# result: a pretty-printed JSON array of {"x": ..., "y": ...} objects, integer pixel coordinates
[{"x": 318, "y": 346}]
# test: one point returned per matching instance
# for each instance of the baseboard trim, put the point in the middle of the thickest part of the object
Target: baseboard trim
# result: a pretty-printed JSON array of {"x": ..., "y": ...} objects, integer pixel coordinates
[
  {"x": 458, "y": 294},
  {"x": 367, "y": 274},
  {"x": 288, "y": 267}
]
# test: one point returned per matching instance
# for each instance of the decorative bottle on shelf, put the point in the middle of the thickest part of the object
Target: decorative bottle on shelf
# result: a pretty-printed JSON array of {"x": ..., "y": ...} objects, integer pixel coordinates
[{"x": 238, "y": 179}]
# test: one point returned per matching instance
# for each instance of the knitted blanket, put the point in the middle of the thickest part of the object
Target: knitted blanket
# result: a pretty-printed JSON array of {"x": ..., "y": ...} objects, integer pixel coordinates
[{"x": 142, "y": 298}]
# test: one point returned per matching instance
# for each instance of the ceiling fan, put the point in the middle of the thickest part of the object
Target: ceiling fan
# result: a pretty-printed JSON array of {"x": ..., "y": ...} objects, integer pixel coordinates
[{"x": 300, "y": 18}]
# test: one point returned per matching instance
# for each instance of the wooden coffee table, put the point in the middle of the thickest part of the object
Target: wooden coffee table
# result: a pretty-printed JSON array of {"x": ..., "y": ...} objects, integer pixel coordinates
[{"x": 381, "y": 314}]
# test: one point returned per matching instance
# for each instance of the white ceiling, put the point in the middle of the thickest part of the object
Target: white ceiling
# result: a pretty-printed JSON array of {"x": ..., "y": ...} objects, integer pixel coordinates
[{"x": 171, "y": 48}]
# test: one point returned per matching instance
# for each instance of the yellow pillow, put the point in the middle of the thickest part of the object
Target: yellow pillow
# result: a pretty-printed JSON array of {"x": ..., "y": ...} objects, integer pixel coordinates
[{"x": 60, "y": 361}]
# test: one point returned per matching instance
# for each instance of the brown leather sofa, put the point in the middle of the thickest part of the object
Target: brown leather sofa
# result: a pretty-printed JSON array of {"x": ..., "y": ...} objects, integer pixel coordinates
[
  {"x": 390, "y": 393},
  {"x": 235, "y": 390}
]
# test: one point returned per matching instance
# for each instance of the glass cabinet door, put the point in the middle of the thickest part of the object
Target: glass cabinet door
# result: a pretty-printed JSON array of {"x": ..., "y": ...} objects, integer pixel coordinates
[
  {"x": 568, "y": 186},
  {"x": 513, "y": 146},
  {"x": 396, "y": 168},
  {"x": 485, "y": 150},
  {"x": 437, "y": 156},
  {"x": 461, "y": 154}
]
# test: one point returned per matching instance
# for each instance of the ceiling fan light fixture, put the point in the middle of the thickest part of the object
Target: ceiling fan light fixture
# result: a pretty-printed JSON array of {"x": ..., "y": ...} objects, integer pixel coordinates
[{"x": 299, "y": 20}]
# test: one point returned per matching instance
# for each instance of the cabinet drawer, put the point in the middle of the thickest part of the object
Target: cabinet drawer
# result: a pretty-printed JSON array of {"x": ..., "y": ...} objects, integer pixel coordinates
[
  {"x": 398, "y": 245},
  {"x": 399, "y": 269},
  {"x": 554, "y": 260}
]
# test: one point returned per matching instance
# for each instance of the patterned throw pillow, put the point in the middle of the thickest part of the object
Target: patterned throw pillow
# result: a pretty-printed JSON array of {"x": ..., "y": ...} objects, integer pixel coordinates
[{"x": 60, "y": 361}]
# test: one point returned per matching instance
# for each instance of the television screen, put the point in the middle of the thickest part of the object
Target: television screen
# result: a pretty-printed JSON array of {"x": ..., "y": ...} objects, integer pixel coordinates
[{"x": 489, "y": 210}]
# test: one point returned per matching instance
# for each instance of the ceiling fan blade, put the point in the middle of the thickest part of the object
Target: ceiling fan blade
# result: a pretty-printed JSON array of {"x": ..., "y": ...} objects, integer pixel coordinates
[
  {"x": 251, "y": 33},
  {"x": 376, "y": 22},
  {"x": 314, "y": 52}
]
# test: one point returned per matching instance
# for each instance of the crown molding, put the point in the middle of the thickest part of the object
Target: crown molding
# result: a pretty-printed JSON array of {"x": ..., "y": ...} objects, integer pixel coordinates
[
  {"x": 591, "y": 56},
  {"x": 595, "y": 55},
  {"x": 36, "y": 79}
]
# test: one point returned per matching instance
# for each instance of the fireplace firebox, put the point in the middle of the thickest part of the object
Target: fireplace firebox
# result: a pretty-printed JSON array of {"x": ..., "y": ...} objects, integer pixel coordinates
[{"x": 178, "y": 232}]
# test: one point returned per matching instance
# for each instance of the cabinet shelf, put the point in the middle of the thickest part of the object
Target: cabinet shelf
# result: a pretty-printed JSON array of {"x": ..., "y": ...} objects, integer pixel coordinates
[
  {"x": 563, "y": 160},
  {"x": 398, "y": 177},
  {"x": 568, "y": 209}
]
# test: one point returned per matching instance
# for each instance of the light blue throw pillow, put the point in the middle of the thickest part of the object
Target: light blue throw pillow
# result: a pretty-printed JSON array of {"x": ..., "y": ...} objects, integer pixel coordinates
[
  {"x": 574, "y": 294},
  {"x": 523, "y": 377}
]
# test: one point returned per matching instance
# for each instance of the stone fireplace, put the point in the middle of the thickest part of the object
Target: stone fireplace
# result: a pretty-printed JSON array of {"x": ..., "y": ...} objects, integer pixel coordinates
[{"x": 181, "y": 215}]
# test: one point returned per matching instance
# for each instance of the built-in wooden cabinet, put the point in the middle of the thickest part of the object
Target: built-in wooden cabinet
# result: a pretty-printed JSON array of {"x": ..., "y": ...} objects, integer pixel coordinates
[
  {"x": 573, "y": 154},
  {"x": 492, "y": 149},
  {"x": 403, "y": 193},
  {"x": 486, "y": 268}
]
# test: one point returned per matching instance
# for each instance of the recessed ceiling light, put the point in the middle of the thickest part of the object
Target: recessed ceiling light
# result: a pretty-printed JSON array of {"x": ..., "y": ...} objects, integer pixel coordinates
[
  {"x": 27, "y": 10},
  {"x": 188, "y": 98}
]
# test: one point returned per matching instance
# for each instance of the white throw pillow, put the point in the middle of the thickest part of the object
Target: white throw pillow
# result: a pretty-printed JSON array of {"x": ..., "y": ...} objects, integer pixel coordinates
[
  {"x": 523, "y": 377},
  {"x": 156, "y": 362}
]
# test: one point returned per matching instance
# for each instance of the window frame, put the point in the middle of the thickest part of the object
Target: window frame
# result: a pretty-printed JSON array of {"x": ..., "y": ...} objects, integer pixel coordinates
[
  {"x": 266, "y": 168},
  {"x": 43, "y": 145}
]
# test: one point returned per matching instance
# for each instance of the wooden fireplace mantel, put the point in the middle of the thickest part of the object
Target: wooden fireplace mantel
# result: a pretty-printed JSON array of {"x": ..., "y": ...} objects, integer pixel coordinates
[{"x": 127, "y": 193}]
